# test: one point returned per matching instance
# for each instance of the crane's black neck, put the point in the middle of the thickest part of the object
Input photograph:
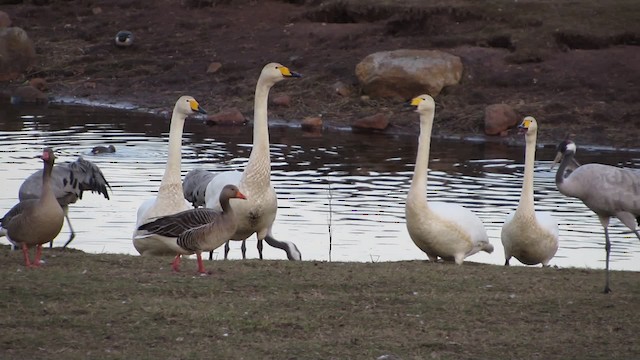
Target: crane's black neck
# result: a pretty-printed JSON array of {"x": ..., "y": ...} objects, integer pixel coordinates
[{"x": 567, "y": 159}]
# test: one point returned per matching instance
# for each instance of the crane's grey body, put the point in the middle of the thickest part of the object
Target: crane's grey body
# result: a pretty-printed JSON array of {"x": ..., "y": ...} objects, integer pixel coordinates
[
  {"x": 607, "y": 190},
  {"x": 194, "y": 186},
  {"x": 68, "y": 181}
]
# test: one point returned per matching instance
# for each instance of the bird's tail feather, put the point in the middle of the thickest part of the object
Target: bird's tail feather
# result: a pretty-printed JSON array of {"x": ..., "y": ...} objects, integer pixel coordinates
[{"x": 90, "y": 177}]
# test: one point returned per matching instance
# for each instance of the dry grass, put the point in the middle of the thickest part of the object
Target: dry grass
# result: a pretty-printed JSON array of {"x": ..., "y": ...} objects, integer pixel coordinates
[{"x": 115, "y": 306}]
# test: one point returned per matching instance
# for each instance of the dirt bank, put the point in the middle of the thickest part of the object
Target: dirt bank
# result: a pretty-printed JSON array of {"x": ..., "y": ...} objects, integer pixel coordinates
[{"x": 576, "y": 67}]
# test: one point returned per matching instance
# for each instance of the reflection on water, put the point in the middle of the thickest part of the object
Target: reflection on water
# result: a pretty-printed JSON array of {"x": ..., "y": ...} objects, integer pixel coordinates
[{"x": 341, "y": 188}]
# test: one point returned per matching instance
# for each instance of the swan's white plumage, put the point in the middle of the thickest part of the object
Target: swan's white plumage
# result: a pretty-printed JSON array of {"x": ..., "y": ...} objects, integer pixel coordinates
[
  {"x": 529, "y": 236},
  {"x": 258, "y": 212},
  {"x": 170, "y": 198},
  {"x": 442, "y": 230}
]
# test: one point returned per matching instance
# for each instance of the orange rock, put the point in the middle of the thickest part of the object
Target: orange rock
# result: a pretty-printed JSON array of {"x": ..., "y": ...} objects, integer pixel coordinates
[
  {"x": 231, "y": 116},
  {"x": 374, "y": 122},
  {"x": 39, "y": 83},
  {"x": 213, "y": 67},
  {"x": 312, "y": 123},
  {"x": 498, "y": 118},
  {"x": 282, "y": 100}
]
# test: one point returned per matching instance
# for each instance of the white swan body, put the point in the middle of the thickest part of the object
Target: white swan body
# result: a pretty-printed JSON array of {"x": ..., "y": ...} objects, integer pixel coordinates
[
  {"x": 170, "y": 198},
  {"x": 529, "y": 236},
  {"x": 258, "y": 212},
  {"x": 442, "y": 230}
]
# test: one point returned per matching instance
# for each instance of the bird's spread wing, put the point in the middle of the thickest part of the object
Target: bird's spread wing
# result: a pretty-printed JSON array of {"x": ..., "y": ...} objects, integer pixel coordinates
[
  {"x": 68, "y": 181},
  {"x": 176, "y": 224},
  {"x": 88, "y": 176}
]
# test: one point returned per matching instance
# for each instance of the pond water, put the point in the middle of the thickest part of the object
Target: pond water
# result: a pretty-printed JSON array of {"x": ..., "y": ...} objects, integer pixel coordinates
[{"x": 340, "y": 195}]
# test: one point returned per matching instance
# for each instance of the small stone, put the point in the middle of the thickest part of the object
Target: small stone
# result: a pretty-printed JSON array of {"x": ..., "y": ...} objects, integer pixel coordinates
[
  {"x": 39, "y": 83},
  {"x": 231, "y": 116},
  {"x": 28, "y": 94},
  {"x": 341, "y": 89},
  {"x": 282, "y": 100},
  {"x": 96, "y": 10},
  {"x": 498, "y": 118},
  {"x": 312, "y": 123},
  {"x": 375, "y": 122},
  {"x": 124, "y": 39},
  {"x": 213, "y": 67}
]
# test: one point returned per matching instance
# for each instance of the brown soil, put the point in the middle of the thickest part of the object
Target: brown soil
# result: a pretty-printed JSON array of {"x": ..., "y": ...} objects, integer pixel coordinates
[{"x": 576, "y": 76}]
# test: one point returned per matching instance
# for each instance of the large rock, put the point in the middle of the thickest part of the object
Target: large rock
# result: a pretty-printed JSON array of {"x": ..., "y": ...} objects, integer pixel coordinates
[
  {"x": 406, "y": 73},
  {"x": 16, "y": 52},
  {"x": 498, "y": 118}
]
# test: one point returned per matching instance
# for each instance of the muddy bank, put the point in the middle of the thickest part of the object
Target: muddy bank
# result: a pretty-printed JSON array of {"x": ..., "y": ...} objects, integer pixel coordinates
[{"x": 574, "y": 80}]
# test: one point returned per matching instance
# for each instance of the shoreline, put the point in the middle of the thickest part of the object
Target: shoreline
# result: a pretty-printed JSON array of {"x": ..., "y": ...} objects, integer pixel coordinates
[{"x": 513, "y": 139}]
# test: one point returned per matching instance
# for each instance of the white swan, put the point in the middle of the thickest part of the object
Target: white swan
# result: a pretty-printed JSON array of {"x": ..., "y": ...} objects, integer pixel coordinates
[
  {"x": 441, "y": 230},
  {"x": 257, "y": 214},
  {"x": 169, "y": 199},
  {"x": 527, "y": 235}
]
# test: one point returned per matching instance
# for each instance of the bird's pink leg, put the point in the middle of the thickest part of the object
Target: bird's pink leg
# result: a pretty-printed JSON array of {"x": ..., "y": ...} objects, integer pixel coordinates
[
  {"x": 25, "y": 252},
  {"x": 201, "y": 269},
  {"x": 36, "y": 262},
  {"x": 176, "y": 263}
]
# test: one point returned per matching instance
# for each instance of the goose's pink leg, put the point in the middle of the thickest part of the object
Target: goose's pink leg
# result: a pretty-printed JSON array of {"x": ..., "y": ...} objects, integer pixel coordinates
[
  {"x": 201, "y": 269},
  {"x": 36, "y": 262},
  {"x": 176, "y": 263},
  {"x": 25, "y": 252}
]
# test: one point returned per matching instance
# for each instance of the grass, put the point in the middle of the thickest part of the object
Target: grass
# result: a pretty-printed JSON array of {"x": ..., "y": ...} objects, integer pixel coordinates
[{"x": 114, "y": 306}]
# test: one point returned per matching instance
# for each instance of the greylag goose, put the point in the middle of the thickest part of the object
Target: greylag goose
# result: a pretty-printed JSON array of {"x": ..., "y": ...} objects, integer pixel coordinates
[
  {"x": 257, "y": 214},
  {"x": 103, "y": 149},
  {"x": 198, "y": 230},
  {"x": 442, "y": 230},
  {"x": 169, "y": 199},
  {"x": 528, "y": 235},
  {"x": 68, "y": 181},
  {"x": 609, "y": 191},
  {"x": 33, "y": 222}
]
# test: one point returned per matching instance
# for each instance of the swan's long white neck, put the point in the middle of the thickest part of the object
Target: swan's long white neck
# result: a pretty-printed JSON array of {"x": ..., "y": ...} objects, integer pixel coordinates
[
  {"x": 259, "y": 165},
  {"x": 418, "y": 188},
  {"x": 526, "y": 197},
  {"x": 174, "y": 157}
]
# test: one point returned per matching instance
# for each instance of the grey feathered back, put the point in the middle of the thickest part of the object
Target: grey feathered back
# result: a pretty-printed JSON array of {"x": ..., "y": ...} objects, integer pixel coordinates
[
  {"x": 175, "y": 224},
  {"x": 194, "y": 186},
  {"x": 605, "y": 189},
  {"x": 68, "y": 181}
]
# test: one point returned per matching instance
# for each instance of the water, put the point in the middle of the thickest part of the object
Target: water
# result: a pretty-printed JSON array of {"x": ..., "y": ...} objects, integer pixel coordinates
[{"x": 342, "y": 189}]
